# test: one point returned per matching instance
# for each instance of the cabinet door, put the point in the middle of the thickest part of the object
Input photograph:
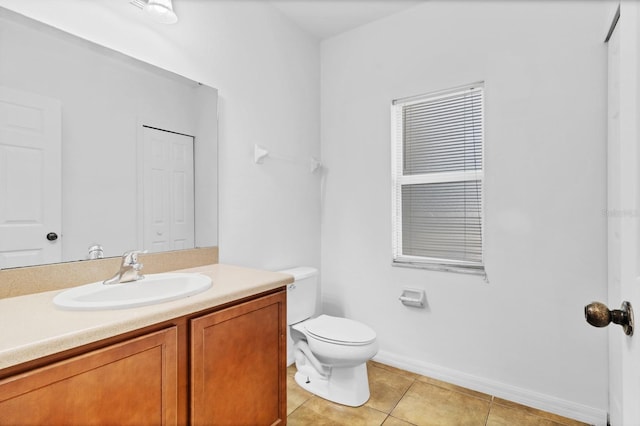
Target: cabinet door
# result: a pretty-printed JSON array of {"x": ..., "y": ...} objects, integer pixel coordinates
[
  {"x": 238, "y": 363},
  {"x": 130, "y": 383}
]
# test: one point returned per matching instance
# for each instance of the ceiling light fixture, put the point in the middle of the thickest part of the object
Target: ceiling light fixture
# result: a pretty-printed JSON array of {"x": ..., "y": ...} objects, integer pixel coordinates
[{"x": 161, "y": 11}]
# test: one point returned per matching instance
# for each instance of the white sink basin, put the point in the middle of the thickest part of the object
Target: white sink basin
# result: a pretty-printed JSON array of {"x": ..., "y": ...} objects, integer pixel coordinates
[{"x": 154, "y": 288}]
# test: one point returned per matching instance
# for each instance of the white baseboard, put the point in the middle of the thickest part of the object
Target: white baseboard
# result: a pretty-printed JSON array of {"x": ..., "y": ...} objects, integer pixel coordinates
[{"x": 526, "y": 397}]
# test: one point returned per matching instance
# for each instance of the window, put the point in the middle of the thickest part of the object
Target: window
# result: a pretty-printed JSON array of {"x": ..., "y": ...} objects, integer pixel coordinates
[{"x": 437, "y": 166}]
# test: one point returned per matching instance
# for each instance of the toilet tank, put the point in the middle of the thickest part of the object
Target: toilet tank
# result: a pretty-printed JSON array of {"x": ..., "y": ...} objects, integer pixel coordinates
[{"x": 301, "y": 294}]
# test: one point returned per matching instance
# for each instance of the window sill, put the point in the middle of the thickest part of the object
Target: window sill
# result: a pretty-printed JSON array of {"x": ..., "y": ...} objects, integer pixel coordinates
[{"x": 440, "y": 267}]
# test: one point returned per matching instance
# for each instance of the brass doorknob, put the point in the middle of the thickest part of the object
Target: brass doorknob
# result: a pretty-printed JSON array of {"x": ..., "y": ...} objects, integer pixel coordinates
[{"x": 598, "y": 315}]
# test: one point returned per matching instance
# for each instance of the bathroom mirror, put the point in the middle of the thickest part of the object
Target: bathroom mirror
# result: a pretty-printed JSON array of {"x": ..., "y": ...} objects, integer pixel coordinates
[{"x": 99, "y": 149}]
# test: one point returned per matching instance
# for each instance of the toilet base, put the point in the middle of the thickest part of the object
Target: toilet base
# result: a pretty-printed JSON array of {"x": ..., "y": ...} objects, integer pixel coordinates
[{"x": 344, "y": 385}]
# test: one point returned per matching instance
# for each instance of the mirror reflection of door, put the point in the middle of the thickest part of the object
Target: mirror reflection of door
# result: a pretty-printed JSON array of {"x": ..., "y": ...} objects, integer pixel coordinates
[
  {"x": 30, "y": 179},
  {"x": 168, "y": 191}
]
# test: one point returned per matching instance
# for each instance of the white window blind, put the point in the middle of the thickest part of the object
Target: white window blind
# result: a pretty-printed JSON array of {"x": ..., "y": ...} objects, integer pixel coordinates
[{"x": 437, "y": 180}]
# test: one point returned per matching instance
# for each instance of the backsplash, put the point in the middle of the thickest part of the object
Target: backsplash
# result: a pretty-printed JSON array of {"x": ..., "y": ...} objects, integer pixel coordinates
[{"x": 37, "y": 279}]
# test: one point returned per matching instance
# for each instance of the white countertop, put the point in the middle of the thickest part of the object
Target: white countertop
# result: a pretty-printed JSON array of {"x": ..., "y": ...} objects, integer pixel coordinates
[{"x": 32, "y": 327}]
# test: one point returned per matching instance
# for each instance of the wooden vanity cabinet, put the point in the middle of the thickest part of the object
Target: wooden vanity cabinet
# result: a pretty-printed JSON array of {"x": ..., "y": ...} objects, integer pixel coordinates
[
  {"x": 223, "y": 366},
  {"x": 129, "y": 383},
  {"x": 238, "y": 364}
]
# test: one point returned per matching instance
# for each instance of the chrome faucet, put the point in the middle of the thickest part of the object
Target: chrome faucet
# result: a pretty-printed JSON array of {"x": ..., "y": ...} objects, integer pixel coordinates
[
  {"x": 129, "y": 269},
  {"x": 95, "y": 252}
]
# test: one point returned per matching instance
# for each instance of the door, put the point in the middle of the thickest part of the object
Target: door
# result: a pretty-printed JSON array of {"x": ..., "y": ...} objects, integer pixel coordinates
[
  {"x": 238, "y": 364},
  {"x": 624, "y": 212},
  {"x": 30, "y": 179},
  {"x": 168, "y": 210}
]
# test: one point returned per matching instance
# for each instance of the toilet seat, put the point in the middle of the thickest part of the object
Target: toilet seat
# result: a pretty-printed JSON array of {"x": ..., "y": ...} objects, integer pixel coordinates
[{"x": 340, "y": 331}]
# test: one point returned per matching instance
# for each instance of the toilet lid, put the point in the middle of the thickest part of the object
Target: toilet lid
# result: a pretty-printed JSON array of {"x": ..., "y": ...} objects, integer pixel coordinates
[{"x": 341, "y": 330}]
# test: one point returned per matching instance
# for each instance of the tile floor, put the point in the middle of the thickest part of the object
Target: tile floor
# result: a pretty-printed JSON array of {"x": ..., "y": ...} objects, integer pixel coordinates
[{"x": 402, "y": 398}]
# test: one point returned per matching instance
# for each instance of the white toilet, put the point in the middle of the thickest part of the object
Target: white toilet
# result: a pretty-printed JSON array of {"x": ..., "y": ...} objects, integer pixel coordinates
[{"x": 330, "y": 352}]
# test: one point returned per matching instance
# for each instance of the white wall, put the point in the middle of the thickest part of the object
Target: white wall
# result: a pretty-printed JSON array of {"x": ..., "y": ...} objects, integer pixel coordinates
[
  {"x": 522, "y": 334},
  {"x": 267, "y": 73},
  {"x": 206, "y": 176}
]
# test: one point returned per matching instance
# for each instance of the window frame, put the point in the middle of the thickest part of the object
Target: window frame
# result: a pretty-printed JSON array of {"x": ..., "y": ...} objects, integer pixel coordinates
[{"x": 399, "y": 180}]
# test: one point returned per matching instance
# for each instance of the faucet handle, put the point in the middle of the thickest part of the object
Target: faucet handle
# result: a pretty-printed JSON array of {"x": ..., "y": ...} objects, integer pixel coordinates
[{"x": 131, "y": 257}]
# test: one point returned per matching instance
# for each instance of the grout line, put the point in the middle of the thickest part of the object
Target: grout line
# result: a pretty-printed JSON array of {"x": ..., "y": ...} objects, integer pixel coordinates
[
  {"x": 296, "y": 409},
  {"x": 402, "y": 397},
  {"x": 486, "y": 421}
]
